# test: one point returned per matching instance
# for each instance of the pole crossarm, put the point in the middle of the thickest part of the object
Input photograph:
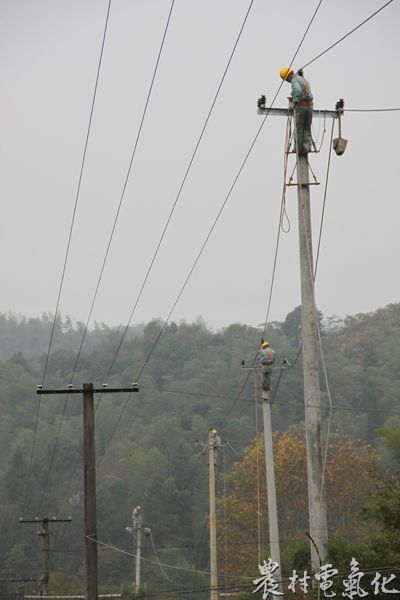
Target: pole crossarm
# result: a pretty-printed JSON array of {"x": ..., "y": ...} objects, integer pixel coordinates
[
  {"x": 47, "y": 520},
  {"x": 73, "y": 597},
  {"x": 106, "y": 390},
  {"x": 288, "y": 112}
]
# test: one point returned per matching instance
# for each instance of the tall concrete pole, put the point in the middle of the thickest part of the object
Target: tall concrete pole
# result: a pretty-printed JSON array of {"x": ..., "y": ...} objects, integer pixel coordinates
[
  {"x": 90, "y": 492},
  {"x": 271, "y": 490},
  {"x": 316, "y": 501},
  {"x": 212, "y": 442}
]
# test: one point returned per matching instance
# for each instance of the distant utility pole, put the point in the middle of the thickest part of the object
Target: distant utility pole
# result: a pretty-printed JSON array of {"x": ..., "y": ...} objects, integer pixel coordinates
[
  {"x": 137, "y": 536},
  {"x": 45, "y": 535},
  {"x": 312, "y": 400},
  {"x": 213, "y": 442},
  {"x": 271, "y": 488},
  {"x": 274, "y": 548},
  {"x": 89, "y": 468}
]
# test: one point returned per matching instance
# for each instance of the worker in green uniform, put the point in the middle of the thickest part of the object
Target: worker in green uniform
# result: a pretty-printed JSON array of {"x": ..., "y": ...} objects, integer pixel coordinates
[
  {"x": 303, "y": 108},
  {"x": 266, "y": 358}
]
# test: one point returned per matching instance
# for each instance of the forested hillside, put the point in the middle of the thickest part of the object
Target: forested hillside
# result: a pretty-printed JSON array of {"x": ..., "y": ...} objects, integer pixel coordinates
[{"x": 149, "y": 444}]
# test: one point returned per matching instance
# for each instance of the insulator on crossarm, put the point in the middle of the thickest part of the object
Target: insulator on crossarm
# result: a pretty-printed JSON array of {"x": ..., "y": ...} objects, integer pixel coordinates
[
  {"x": 261, "y": 102},
  {"x": 339, "y": 104}
]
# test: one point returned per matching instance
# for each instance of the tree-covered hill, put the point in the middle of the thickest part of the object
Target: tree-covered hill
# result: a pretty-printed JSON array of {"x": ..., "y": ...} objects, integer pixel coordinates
[{"x": 149, "y": 444}]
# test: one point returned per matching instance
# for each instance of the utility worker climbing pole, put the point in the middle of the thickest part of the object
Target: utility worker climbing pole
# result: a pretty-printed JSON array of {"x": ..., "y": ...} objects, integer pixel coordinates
[
  {"x": 303, "y": 108},
  {"x": 266, "y": 358}
]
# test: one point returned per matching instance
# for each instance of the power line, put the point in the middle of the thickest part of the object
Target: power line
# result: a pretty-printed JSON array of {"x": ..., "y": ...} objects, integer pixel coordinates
[
  {"x": 324, "y": 201},
  {"x": 167, "y": 222},
  {"x": 235, "y": 180},
  {"x": 121, "y": 551},
  {"x": 112, "y": 232},
  {"x": 251, "y": 400},
  {"x": 68, "y": 246},
  {"x": 77, "y": 191},
  {"x": 246, "y": 157},
  {"x": 125, "y": 181},
  {"x": 243, "y": 164},
  {"x": 203, "y": 247},
  {"x": 362, "y": 110},
  {"x": 181, "y": 186},
  {"x": 281, "y": 210},
  {"x": 347, "y": 34}
]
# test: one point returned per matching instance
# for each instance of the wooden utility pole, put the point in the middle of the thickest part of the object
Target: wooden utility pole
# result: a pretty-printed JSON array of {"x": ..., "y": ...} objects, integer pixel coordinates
[
  {"x": 312, "y": 400},
  {"x": 89, "y": 476},
  {"x": 45, "y": 535},
  {"x": 213, "y": 441},
  {"x": 271, "y": 489}
]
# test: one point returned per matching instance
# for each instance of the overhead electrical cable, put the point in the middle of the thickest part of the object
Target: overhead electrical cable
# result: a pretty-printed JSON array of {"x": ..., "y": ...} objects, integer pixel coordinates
[
  {"x": 241, "y": 168},
  {"x": 181, "y": 186},
  {"x": 234, "y": 183},
  {"x": 121, "y": 551},
  {"x": 168, "y": 221},
  {"x": 77, "y": 192},
  {"x": 112, "y": 231},
  {"x": 363, "y": 110},
  {"x": 347, "y": 34},
  {"x": 282, "y": 209},
  {"x": 169, "y": 216},
  {"x": 324, "y": 201},
  {"x": 251, "y": 400},
  {"x": 158, "y": 560},
  {"x": 83, "y": 161},
  {"x": 229, "y": 192},
  {"x": 125, "y": 183}
]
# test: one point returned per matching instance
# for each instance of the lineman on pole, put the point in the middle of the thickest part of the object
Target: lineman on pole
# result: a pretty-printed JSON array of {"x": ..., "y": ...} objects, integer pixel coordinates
[
  {"x": 303, "y": 108},
  {"x": 266, "y": 358}
]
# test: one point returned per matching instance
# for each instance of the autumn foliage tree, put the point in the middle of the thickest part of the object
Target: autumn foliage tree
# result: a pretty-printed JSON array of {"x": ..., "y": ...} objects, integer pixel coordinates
[{"x": 351, "y": 469}]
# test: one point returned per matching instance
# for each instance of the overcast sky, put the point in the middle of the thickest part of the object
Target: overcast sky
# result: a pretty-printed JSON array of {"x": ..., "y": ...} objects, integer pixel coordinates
[{"x": 49, "y": 52}]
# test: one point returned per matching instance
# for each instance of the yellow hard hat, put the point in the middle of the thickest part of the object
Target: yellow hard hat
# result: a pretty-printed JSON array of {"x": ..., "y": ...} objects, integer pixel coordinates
[
  {"x": 285, "y": 71},
  {"x": 264, "y": 344}
]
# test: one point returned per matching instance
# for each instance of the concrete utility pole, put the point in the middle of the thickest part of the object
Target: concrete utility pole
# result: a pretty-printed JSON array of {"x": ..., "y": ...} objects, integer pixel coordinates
[
  {"x": 271, "y": 489},
  {"x": 312, "y": 394},
  {"x": 312, "y": 400},
  {"x": 274, "y": 547},
  {"x": 89, "y": 468},
  {"x": 137, "y": 533},
  {"x": 213, "y": 442},
  {"x": 45, "y": 535}
]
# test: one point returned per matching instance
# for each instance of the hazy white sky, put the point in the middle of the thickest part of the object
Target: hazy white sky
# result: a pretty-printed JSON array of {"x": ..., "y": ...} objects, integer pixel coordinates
[{"x": 49, "y": 51}]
